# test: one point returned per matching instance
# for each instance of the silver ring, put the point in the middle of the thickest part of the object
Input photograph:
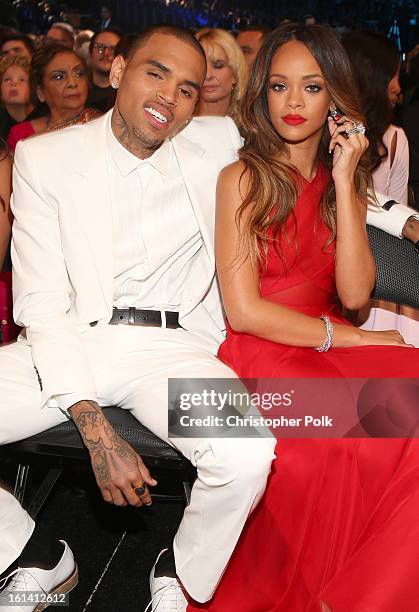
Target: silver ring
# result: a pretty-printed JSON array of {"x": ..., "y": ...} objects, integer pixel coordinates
[{"x": 359, "y": 128}]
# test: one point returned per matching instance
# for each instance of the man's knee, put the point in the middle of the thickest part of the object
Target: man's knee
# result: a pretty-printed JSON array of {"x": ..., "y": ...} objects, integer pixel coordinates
[
  {"x": 253, "y": 459},
  {"x": 246, "y": 462}
]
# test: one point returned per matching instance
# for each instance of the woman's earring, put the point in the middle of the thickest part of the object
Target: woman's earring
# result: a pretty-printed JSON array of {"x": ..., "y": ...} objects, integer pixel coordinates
[
  {"x": 335, "y": 114},
  {"x": 114, "y": 85}
]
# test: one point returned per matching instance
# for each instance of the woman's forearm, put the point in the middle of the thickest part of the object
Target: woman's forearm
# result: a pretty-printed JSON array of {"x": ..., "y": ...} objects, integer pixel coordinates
[
  {"x": 278, "y": 323},
  {"x": 355, "y": 266}
]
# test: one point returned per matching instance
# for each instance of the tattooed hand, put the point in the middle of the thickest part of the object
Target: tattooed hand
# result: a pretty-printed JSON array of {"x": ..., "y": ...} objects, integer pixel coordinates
[{"x": 117, "y": 467}]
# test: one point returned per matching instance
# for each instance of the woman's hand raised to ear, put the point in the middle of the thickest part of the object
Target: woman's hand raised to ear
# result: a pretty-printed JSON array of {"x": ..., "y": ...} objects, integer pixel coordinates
[{"x": 346, "y": 150}]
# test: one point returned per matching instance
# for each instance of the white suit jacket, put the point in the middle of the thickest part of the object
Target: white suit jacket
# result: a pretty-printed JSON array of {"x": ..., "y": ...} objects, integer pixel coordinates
[{"x": 62, "y": 247}]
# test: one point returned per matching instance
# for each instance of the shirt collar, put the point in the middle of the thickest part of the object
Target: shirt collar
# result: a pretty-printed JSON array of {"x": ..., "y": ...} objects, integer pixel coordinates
[{"x": 160, "y": 160}]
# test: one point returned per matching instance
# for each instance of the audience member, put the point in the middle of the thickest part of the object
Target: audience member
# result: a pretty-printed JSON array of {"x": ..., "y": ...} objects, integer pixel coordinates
[
  {"x": 102, "y": 54},
  {"x": 14, "y": 92},
  {"x": 8, "y": 330},
  {"x": 250, "y": 41},
  {"x": 18, "y": 44},
  {"x": 61, "y": 33},
  {"x": 227, "y": 73},
  {"x": 58, "y": 78},
  {"x": 106, "y": 21},
  {"x": 5, "y": 214},
  {"x": 309, "y": 19},
  {"x": 410, "y": 119},
  {"x": 82, "y": 44},
  {"x": 376, "y": 65}
]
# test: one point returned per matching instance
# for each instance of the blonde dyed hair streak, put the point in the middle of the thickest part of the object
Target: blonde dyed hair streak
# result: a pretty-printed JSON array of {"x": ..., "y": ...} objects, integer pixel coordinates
[
  {"x": 273, "y": 185},
  {"x": 209, "y": 38}
]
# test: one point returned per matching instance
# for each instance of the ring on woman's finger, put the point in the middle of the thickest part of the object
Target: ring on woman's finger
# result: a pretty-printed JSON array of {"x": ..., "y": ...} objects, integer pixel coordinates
[
  {"x": 141, "y": 489},
  {"x": 359, "y": 128}
]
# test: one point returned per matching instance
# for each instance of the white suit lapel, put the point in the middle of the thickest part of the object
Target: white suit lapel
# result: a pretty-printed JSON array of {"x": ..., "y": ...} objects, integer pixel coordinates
[
  {"x": 199, "y": 173},
  {"x": 92, "y": 196}
]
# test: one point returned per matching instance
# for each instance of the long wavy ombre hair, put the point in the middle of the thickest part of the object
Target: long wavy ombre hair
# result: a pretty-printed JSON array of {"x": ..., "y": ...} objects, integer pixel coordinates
[{"x": 274, "y": 184}]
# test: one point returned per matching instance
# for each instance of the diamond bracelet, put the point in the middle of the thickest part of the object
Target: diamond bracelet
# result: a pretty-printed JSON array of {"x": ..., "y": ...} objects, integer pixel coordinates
[{"x": 328, "y": 343}]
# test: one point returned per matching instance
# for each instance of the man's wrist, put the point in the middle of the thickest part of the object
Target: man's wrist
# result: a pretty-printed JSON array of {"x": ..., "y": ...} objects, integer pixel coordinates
[
  {"x": 410, "y": 230},
  {"x": 91, "y": 422},
  {"x": 83, "y": 406}
]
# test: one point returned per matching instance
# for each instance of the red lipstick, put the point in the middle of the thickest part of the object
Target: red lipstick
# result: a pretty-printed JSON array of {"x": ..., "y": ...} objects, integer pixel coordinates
[{"x": 293, "y": 119}]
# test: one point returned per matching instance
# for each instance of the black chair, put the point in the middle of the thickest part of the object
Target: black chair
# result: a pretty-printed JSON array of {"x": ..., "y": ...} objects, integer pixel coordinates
[
  {"x": 61, "y": 446},
  {"x": 397, "y": 268}
]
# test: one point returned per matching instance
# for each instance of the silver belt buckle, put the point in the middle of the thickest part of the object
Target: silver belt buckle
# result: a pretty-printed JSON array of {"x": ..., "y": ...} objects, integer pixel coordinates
[{"x": 131, "y": 315}]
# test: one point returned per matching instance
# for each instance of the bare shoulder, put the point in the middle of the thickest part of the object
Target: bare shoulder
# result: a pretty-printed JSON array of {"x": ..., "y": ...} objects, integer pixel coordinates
[
  {"x": 234, "y": 173},
  {"x": 235, "y": 178}
]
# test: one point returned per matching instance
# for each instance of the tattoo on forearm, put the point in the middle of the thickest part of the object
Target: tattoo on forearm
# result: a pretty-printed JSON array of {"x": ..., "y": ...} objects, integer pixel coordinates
[
  {"x": 89, "y": 421},
  {"x": 111, "y": 455},
  {"x": 124, "y": 449}
]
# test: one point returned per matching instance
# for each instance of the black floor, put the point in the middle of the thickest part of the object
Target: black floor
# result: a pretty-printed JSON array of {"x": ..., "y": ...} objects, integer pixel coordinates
[{"x": 114, "y": 547}]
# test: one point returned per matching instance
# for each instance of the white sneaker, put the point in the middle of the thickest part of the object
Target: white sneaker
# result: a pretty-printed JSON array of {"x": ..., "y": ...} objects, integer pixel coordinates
[
  {"x": 166, "y": 593},
  {"x": 31, "y": 586}
]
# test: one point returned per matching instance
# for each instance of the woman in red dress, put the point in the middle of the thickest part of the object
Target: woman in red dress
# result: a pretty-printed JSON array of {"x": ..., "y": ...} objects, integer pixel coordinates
[{"x": 338, "y": 527}]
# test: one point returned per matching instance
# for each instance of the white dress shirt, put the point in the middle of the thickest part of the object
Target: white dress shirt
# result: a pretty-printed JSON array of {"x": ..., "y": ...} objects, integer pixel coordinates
[{"x": 155, "y": 233}]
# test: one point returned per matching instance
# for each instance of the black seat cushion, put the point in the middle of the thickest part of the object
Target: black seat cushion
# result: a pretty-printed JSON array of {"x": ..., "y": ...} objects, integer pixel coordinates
[
  {"x": 397, "y": 268},
  {"x": 64, "y": 440}
]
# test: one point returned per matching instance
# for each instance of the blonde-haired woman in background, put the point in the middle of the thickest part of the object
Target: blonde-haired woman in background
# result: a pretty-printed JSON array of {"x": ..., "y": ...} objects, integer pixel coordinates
[{"x": 227, "y": 73}]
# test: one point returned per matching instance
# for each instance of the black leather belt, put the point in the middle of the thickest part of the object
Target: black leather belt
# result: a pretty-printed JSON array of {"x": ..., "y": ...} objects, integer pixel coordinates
[{"x": 146, "y": 318}]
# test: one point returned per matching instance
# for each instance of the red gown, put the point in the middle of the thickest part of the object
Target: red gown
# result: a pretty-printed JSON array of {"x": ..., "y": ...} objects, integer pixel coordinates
[{"x": 339, "y": 522}]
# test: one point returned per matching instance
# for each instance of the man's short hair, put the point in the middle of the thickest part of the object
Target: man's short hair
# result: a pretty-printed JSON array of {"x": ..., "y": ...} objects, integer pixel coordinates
[
  {"x": 180, "y": 33},
  {"x": 22, "y": 38},
  {"x": 115, "y": 31},
  {"x": 67, "y": 30}
]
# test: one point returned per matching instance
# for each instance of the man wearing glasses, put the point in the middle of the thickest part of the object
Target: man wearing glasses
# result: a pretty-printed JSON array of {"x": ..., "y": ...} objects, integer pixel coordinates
[{"x": 102, "y": 54}]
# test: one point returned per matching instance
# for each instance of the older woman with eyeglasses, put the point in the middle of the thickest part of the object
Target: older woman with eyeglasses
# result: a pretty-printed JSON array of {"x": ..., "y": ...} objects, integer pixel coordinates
[{"x": 58, "y": 78}]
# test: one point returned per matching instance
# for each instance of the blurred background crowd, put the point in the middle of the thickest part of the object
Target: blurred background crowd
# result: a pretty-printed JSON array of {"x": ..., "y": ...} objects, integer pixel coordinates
[
  {"x": 37, "y": 16},
  {"x": 55, "y": 60}
]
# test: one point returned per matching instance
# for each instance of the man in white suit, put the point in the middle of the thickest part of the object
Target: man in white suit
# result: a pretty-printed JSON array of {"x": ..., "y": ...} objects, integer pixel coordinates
[{"x": 114, "y": 283}]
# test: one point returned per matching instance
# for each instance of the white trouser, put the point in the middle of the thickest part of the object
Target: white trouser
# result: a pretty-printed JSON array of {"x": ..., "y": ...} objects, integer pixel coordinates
[
  {"x": 131, "y": 366},
  {"x": 16, "y": 527}
]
